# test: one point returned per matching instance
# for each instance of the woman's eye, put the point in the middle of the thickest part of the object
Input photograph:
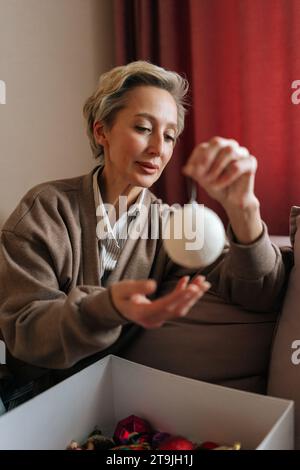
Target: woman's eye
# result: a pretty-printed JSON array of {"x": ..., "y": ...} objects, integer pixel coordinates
[
  {"x": 170, "y": 138},
  {"x": 143, "y": 129},
  {"x": 148, "y": 130}
]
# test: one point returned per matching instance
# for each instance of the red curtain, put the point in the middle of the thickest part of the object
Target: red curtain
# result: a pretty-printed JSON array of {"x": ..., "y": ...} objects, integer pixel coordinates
[{"x": 240, "y": 57}]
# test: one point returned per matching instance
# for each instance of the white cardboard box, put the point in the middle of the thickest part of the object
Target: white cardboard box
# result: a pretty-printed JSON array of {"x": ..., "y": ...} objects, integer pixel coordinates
[{"x": 113, "y": 388}]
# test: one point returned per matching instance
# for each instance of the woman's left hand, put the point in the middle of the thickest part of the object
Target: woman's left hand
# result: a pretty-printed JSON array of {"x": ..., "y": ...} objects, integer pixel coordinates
[
  {"x": 130, "y": 298},
  {"x": 226, "y": 171}
]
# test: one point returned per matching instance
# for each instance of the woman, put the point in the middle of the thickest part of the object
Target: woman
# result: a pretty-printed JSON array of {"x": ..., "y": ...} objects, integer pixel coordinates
[{"x": 71, "y": 289}]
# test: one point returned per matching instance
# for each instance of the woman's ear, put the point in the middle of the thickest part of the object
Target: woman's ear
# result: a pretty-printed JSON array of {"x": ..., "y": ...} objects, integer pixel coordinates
[{"x": 99, "y": 133}]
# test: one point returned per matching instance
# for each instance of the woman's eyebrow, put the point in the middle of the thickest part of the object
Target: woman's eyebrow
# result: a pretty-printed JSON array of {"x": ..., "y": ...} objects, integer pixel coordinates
[{"x": 153, "y": 118}]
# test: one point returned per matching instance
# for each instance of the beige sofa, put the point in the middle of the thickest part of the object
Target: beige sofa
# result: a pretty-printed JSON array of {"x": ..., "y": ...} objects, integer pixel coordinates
[
  {"x": 284, "y": 369},
  {"x": 219, "y": 343}
]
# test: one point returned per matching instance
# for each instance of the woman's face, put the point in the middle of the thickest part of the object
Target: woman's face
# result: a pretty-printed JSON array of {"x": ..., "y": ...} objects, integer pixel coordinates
[{"x": 141, "y": 140}]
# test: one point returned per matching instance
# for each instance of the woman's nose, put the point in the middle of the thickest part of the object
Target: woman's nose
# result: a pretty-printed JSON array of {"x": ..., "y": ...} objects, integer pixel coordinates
[{"x": 156, "y": 144}]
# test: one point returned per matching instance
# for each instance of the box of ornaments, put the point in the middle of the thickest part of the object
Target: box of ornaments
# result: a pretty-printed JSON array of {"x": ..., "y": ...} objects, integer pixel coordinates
[{"x": 115, "y": 403}]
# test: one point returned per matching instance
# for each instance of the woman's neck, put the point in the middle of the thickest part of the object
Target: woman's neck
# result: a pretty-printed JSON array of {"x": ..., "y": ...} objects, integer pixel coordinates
[{"x": 112, "y": 187}]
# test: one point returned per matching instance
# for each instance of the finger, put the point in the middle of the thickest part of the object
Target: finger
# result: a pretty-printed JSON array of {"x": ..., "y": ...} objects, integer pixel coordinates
[
  {"x": 154, "y": 316},
  {"x": 159, "y": 305},
  {"x": 186, "y": 298},
  {"x": 223, "y": 159},
  {"x": 127, "y": 288},
  {"x": 234, "y": 171},
  {"x": 222, "y": 141},
  {"x": 197, "y": 157},
  {"x": 171, "y": 300},
  {"x": 183, "y": 307},
  {"x": 196, "y": 287},
  {"x": 183, "y": 310},
  {"x": 182, "y": 283},
  {"x": 204, "y": 155},
  {"x": 200, "y": 281},
  {"x": 189, "y": 297},
  {"x": 243, "y": 152},
  {"x": 139, "y": 299}
]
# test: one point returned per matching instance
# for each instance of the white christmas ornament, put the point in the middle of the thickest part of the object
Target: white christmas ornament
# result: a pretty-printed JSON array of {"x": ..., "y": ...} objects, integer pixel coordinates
[{"x": 194, "y": 236}]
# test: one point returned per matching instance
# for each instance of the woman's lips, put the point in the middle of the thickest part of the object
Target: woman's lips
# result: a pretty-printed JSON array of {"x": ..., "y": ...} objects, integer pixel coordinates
[{"x": 148, "y": 167}]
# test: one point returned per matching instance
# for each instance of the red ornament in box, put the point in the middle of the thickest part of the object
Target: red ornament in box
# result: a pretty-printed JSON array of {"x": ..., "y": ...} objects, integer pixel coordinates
[
  {"x": 132, "y": 427},
  {"x": 176, "y": 443},
  {"x": 208, "y": 445}
]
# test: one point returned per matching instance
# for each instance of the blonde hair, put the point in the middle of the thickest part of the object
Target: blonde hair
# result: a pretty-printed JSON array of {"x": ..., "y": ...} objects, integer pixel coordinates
[{"x": 110, "y": 95}]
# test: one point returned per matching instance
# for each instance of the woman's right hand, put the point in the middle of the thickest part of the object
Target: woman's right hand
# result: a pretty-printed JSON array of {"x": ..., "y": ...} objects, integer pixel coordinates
[
  {"x": 227, "y": 172},
  {"x": 130, "y": 299}
]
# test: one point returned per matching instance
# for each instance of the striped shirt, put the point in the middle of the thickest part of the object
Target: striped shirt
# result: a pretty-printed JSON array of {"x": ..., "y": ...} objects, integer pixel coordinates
[{"x": 112, "y": 236}]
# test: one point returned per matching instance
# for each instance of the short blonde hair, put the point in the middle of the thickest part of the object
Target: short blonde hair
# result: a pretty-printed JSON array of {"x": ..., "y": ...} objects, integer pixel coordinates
[{"x": 110, "y": 95}]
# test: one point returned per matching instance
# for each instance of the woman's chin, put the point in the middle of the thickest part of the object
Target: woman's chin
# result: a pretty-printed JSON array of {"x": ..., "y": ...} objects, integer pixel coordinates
[{"x": 145, "y": 181}]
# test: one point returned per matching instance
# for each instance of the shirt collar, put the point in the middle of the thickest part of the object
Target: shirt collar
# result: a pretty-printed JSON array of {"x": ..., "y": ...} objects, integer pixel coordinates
[{"x": 135, "y": 209}]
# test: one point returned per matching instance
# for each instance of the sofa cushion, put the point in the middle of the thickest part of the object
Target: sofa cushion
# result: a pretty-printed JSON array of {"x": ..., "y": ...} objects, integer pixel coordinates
[
  {"x": 284, "y": 373},
  {"x": 217, "y": 342}
]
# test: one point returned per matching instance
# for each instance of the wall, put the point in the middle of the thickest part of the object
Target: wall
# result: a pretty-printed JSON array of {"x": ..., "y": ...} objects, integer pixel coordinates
[{"x": 51, "y": 54}]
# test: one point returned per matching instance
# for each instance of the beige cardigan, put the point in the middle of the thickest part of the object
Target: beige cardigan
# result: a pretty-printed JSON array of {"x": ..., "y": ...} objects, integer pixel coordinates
[{"x": 54, "y": 312}]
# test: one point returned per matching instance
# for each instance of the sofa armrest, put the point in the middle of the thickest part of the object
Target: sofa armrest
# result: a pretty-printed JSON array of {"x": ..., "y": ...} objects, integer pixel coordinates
[{"x": 280, "y": 240}]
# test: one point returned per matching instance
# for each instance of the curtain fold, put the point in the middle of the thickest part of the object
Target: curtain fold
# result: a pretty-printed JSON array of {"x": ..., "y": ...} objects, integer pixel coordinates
[{"x": 240, "y": 57}]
